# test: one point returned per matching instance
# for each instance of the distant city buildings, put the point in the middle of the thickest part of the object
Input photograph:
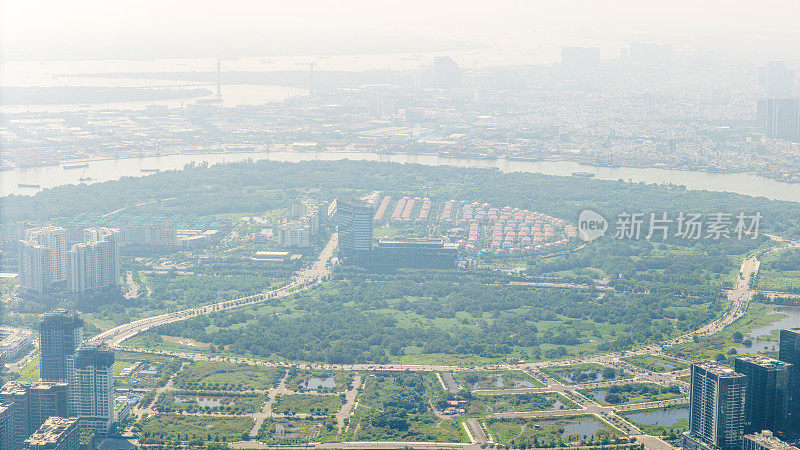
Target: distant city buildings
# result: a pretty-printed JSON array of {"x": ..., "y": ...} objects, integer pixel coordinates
[
  {"x": 148, "y": 236},
  {"x": 48, "y": 266},
  {"x": 300, "y": 226},
  {"x": 776, "y": 79},
  {"x": 779, "y": 117},
  {"x": 716, "y": 408},
  {"x": 60, "y": 334},
  {"x": 580, "y": 58},
  {"x": 91, "y": 387}
]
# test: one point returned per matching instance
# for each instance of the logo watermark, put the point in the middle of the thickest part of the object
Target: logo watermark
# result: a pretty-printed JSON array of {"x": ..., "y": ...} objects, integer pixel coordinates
[{"x": 662, "y": 226}]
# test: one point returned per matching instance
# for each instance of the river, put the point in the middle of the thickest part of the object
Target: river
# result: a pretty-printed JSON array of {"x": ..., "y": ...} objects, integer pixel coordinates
[{"x": 114, "y": 169}]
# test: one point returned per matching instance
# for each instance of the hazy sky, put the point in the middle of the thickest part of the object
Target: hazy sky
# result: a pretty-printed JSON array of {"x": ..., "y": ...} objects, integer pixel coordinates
[{"x": 76, "y": 28}]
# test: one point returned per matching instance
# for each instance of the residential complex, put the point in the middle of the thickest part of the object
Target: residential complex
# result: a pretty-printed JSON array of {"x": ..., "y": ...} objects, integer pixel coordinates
[{"x": 47, "y": 266}]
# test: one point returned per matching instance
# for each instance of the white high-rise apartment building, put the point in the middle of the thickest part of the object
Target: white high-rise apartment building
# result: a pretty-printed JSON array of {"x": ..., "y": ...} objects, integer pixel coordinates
[
  {"x": 43, "y": 259},
  {"x": 94, "y": 264},
  {"x": 91, "y": 387}
]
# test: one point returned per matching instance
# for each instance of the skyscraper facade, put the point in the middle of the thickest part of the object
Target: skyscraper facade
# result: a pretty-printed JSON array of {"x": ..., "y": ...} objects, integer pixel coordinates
[
  {"x": 716, "y": 408},
  {"x": 91, "y": 387},
  {"x": 60, "y": 333},
  {"x": 768, "y": 393},
  {"x": 789, "y": 352},
  {"x": 354, "y": 222}
]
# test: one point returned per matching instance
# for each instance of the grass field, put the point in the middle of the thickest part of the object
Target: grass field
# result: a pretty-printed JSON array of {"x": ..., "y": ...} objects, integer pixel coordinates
[
  {"x": 584, "y": 373},
  {"x": 212, "y": 375},
  {"x": 317, "y": 405},
  {"x": 186, "y": 428},
  {"x": 500, "y": 379},
  {"x": 656, "y": 363},
  {"x": 30, "y": 372}
]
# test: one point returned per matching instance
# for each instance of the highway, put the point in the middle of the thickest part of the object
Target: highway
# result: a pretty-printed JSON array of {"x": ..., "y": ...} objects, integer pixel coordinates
[{"x": 302, "y": 280}]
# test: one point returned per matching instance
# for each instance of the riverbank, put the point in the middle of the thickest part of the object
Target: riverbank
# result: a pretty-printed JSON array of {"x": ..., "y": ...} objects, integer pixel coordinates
[{"x": 106, "y": 169}]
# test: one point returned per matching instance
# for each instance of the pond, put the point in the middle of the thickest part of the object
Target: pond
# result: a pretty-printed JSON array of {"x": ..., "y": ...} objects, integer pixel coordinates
[
  {"x": 791, "y": 320},
  {"x": 316, "y": 383},
  {"x": 661, "y": 418},
  {"x": 665, "y": 365},
  {"x": 589, "y": 380},
  {"x": 582, "y": 427},
  {"x": 522, "y": 383},
  {"x": 758, "y": 347}
]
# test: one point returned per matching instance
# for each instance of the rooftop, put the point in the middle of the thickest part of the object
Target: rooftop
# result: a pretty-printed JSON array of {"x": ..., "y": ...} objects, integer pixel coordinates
[
  {"x": 717, "y": 369},
  {"x": 763, "y": 361},
  {"x": 51, "y": 431},
  {"x": 767, "y": 440}
]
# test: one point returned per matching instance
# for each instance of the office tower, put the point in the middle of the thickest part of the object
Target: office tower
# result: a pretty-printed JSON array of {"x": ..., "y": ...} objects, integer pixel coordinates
[
  {"x": 56, "y": 433},
  {"x": 31, "y": 404},
  {"x": 768, "y": 393},
  {"x": 779, "y": 117},
  {"x": 580, "y": 58},
  {"x": 764, "y": 441},
  {"x": 6, "y": 422},
  {"x": 60, "y": 333},
  {"x": 354, "y": 222},
  {"x": 776, "y": 79},
  {"x": 94, "y": 264},
  {"x": 716, "y": 408},
  {"x": 91, "y": 387},
  {"x": 789, "y": 352}
]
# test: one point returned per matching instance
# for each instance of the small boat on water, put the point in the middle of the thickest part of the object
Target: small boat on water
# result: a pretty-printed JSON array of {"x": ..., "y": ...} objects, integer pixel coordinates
[
  {"x": 76, "y": 166},
  {"x": 150, "y": 170},
  {"x": 26, "y": 185},
  {"x": 583, "y": 174}
]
